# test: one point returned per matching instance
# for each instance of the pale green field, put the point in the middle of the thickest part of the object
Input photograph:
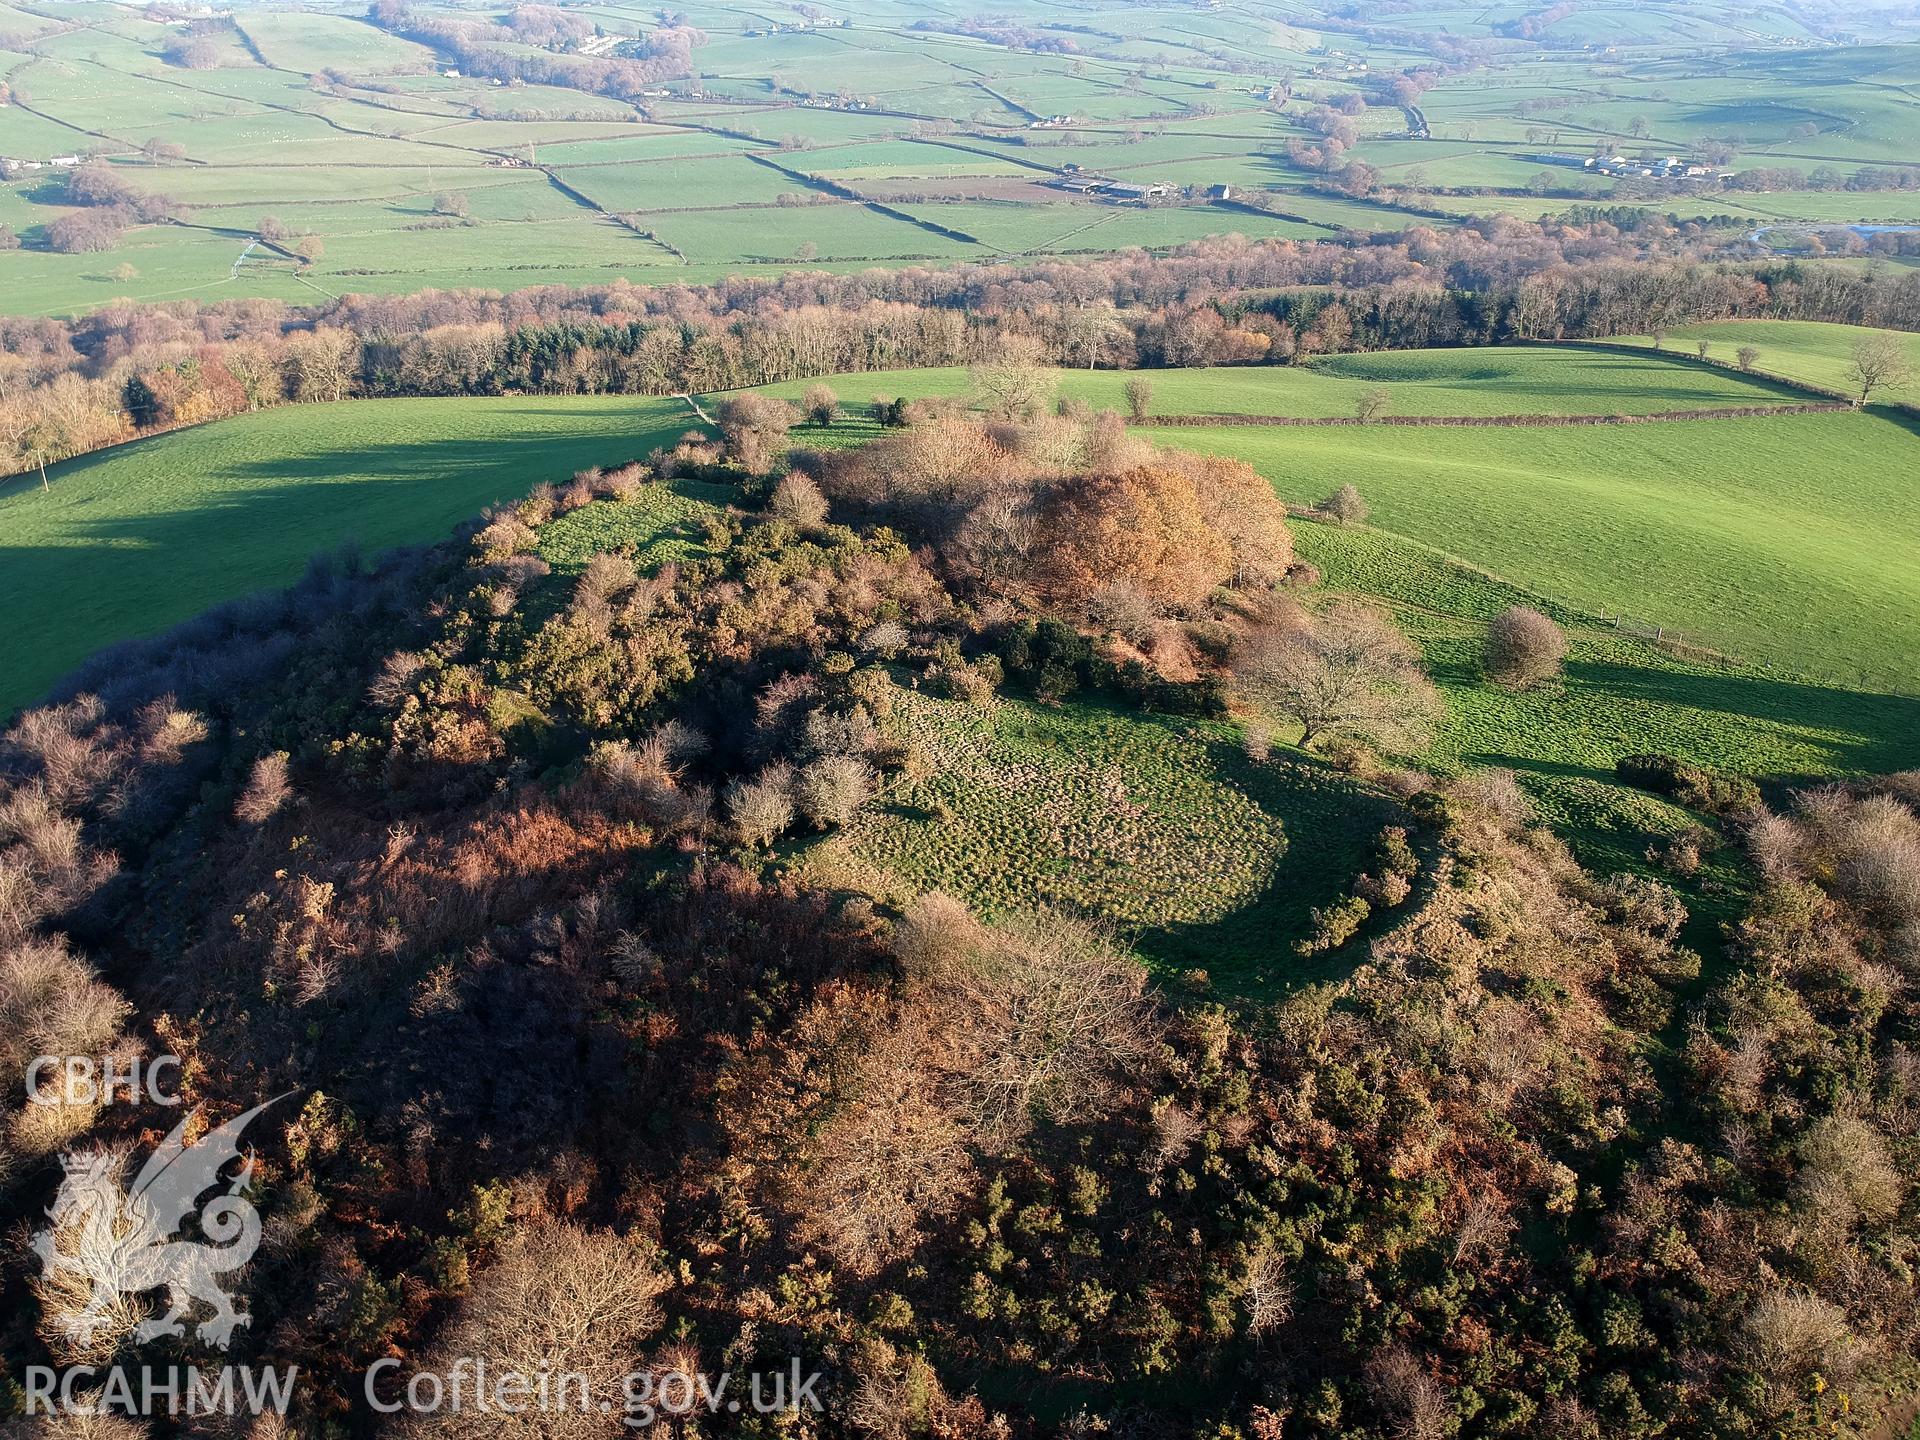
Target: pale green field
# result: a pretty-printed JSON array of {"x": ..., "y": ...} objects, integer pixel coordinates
[
  {"x": 1799, "y": 349},
  {"x": 1533, "y": 380},
  {"x": 1787, "y": 540}
]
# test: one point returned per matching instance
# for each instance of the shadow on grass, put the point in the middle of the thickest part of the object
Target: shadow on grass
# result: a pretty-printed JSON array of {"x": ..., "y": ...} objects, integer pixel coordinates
[
  {"x": 254, "y": 524},
  {"x": 1866, "y": 731},
  {"x": 1330, "y": 822}
]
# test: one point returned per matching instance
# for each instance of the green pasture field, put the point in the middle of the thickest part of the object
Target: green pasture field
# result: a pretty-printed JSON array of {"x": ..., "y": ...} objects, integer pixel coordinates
[
  {"x": 1620, "y": 696},
  {"x": 1788, "y": 539},
  {"x": 24, "y": 23},
  {"x": 842, "y": 230},
  {"x": 170, "y": 264},
  {"x": 1339, "y": 213},
  {"x": 1159, "y": 229},
  {"x": 308, "y": 43},
  {"x": 643, "y": 146},
  {"x": 1864, "y": 207},
  {"x": 1018, "y": 229},
  {"x": 460, "y": 254},
  {"x": 1162, "y": 828},
  {"x": 1798, "y": 349},
  {"x": 904, "y": 159},
  {"x": 132, "y": 540},
  {"x": 661, "y": 522},
  {"x": 713, "y": 183},
  {"x": 1529, "y": 380},
  {"x": 779, "y": 122}
]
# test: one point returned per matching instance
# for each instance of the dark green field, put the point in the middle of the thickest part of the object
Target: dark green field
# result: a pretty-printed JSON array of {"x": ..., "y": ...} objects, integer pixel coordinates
[{"x": 136, "y": 539}]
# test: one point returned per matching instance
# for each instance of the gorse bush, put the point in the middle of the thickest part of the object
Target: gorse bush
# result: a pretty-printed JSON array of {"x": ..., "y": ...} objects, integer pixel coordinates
[{"x": 1691, "y": 785}]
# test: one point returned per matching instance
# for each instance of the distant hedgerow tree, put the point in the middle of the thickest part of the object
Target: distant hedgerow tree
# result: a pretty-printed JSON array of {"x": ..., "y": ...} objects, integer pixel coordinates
[
  {"x": 1346, "y": 673},
  {"x": 1374, "y": 402},
  {"x": 1746, "y": 357},
  {"x": 1139, "y": 399},
  {"x": 1345, "y": 505},
  {"x": 1879, "y": 362}
]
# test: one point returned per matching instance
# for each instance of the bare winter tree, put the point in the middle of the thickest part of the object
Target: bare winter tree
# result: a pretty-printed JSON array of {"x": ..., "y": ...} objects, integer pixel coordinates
[
  {"x": 1015, "y": 384},
  {"x": 1347, "y": 672},
  {"x": 267, "y": 790},
  {"x": 1413, "y": 1401},
  {"x": 755, "y": 428},
  {"x": 1269, "y": 1293},
  {"x": 820, "y": 405},
  {"x": 560, "y": 1300},
  {"x": 1879, "y": 363},
  {"x": 1345, "y": 505},
  {"x": 762, "y": 808},
  {"x": 1047, "y": 1011},
  {"x": 798, "y": 499}
]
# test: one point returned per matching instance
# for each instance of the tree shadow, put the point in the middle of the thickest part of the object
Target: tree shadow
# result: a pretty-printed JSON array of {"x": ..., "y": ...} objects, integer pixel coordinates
[
  {"x": 1330, "y": 821},
  {"x": 1863, "y": 730}
]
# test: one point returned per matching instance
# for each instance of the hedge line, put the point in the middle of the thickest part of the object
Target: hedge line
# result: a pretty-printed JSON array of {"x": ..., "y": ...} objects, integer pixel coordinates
[{"x": 1740, "y": 412}]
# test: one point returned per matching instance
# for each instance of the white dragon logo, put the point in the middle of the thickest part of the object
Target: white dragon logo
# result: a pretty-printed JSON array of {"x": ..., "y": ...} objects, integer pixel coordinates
[{"x": 124, "y": 1240}]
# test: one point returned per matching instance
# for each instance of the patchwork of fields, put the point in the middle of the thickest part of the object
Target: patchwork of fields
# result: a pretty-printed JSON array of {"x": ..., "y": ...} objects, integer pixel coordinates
[
  {"x": 1086, "y": 900},
  {"x": 859, "y": 140}
]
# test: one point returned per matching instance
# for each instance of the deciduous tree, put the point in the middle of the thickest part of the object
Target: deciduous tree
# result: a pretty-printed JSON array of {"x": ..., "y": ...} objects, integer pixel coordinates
[{"x": 1345, "y": 673}]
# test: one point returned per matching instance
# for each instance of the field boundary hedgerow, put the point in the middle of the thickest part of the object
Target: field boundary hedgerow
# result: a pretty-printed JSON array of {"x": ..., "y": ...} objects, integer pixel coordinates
[{"x": 1746, "y": 412}]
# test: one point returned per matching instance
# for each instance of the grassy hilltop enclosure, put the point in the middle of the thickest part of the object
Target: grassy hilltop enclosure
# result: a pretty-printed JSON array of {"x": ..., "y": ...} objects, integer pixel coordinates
[
  {"x": 714, "y": 908},
  {"x": 311, "y": 153}
]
